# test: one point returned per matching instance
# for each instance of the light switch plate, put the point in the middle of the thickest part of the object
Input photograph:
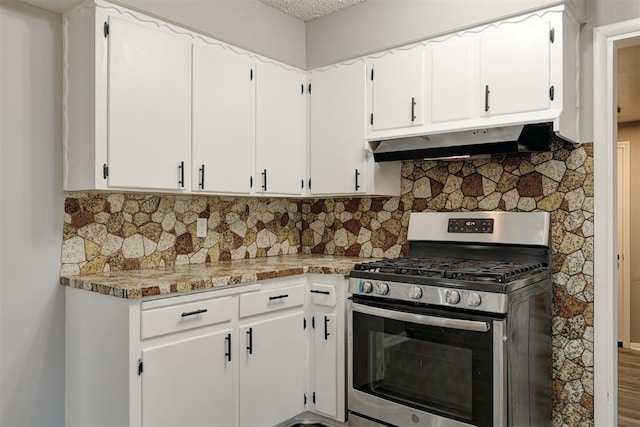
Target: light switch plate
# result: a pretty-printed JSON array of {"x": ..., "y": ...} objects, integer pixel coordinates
[{"x": 201, "y": 227}]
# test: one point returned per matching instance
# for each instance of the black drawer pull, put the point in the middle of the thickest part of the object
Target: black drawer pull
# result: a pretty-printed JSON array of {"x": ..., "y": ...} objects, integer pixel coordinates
[
  {"x": 320, "y": 292},
  {"x": 278, "y": 297},
  {"x": 250, "y": 339},
  {"x": 486, "y": 98},
  {"x": 413, "y": 109},
  {"x": 193, "y": 313},
  {"x": 228, "y": 349},
  {"x": 326, "y": 327},
  {"x": 181, "y": 169}
]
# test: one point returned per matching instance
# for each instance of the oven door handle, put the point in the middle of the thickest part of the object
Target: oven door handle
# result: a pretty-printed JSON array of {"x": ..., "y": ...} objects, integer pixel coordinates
[{"x": 423, "y": 319}]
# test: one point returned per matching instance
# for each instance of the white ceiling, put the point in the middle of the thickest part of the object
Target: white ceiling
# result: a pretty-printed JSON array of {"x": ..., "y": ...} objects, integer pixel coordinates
[
  {"x": 305, "y": 10},
  {"x": 629, "y": 84}
]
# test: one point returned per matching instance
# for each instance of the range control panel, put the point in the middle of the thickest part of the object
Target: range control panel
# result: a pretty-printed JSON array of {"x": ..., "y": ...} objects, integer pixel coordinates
[{"x": 470, "y": 225}]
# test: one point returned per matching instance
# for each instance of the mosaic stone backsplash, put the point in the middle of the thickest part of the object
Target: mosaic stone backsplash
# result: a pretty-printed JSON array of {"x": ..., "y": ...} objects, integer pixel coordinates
[{"x": 108, "y": 232}]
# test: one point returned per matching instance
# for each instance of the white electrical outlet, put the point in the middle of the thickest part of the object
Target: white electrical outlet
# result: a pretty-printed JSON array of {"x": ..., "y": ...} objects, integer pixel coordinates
[{"x": 201, "y": 227}]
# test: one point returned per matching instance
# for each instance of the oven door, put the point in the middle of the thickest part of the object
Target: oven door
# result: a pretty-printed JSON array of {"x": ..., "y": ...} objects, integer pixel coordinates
[{"x": 417, "y": 366}]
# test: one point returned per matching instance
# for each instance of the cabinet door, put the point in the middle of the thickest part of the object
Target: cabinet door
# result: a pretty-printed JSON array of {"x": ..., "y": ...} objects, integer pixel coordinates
[
  {"x": 223, "y": 120},
  {"x": 188, "y": 382},
  {"x": 398, "y": 89},
  {"x": 280, "y": 130},
  {"x": 326, "y": 364},
  {"x": 149, "y": 107},
  {"x": 452, "y": 81},
  {"x": 515, "y": 68},
  {"x": 272, "y": 370},
  {"x": 337, "y": 130}
]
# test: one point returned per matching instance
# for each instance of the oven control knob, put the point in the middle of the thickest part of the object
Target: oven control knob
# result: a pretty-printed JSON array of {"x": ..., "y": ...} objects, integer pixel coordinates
[
  {"x": 382, "y": 288},
  {"x": 415, "y": 292},
  {"x": 451, "y": 297},
  {"x": 365, "y": 287},
  {"x": 472, "y": 299}
]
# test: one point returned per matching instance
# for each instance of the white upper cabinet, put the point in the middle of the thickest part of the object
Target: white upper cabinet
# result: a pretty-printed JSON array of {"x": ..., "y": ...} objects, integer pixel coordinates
[
  {"x": 397, "y": 80},
  {"x": 453, "y": 88},
  {"x": 280, "y": 130},
  {"x": 515, "y": 68},
  {"x": 339, "y": 159},
  {"x": 152, "y": 106},
  {"x": 337, "y": 131},
  {"x": 149, "y": 107},
  {"x": 223, "y": 120}
]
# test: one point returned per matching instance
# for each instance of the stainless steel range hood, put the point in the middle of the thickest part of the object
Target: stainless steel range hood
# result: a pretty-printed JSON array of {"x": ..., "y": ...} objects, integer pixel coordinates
[{"x": 471, "y": 143}]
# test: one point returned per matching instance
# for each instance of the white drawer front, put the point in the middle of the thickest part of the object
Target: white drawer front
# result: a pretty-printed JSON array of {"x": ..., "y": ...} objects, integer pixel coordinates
[
  {"x": 271, "y": 300},
  {"x": 181, "y": 317},
  {"x": 323, "y": 294}
]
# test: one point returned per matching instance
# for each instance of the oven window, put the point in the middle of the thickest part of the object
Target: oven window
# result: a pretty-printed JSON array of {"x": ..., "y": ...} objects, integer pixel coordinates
[
  {"x": 408, "y": 368},
  {"x": 444, "y": 371}
]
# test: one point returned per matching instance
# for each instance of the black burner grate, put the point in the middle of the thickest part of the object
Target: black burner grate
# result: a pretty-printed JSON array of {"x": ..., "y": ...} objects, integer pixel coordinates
[{"x": 468, "y": 270}]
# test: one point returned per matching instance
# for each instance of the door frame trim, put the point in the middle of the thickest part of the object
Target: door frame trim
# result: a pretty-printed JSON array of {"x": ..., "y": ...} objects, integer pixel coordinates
[
  {"x": 605, "y": 354},
  {"x": 625, "y": 195}
]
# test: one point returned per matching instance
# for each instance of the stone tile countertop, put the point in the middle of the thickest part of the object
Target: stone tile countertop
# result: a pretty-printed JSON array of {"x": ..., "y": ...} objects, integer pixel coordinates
[{"x": 133, "y": 284}]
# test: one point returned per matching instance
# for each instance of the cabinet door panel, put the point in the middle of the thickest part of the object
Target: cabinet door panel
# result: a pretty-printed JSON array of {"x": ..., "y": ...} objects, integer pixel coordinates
[
  {"x": 272, "y": 376},
  {"x": 188, "y": 383},
  {"x": 515, "y": 65},
  {"x": 398, "y": 78},
  {"x": 280, "y": 129},
  {"x": 149, "y": 112},
  {"x": 337, "y": 129},
  {"x": 223, "y": 120},
  {"x": 452, "y": 71},
  {"x": 326, "y": 357}
]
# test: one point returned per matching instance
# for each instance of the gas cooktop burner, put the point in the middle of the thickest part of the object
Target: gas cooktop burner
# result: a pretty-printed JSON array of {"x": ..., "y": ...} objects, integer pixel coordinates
[{"x": 467, "y": 270}]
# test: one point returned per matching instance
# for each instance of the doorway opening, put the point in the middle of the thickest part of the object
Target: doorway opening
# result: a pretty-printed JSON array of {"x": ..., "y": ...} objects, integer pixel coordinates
[{"x": 607, "y": 42}]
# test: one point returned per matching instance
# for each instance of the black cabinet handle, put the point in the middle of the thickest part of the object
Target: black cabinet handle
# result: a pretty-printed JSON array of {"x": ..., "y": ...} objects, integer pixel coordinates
[
  {"x": 413, "y": 109},
  {"x": 193, "y": 313},
  {"x": 250, "y": 340},
  {"x": 486, "y": 98},
  {"x": 326, "y": 327},
  {"x": 181, "y": 169},
  {"x": 278, "y": 297},
  {"x": 227, "y": 351},
  {"x": 313, "y": 291},
  {"x": 357, "y": 184},
  {"x": 264, "y": 180},
  {"x": 201, "y": 184},
  {"x": 251, "y": 182}
]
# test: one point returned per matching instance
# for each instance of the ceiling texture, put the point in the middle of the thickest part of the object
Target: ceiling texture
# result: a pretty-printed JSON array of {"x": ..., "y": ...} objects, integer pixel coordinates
[{"x": 305, "y": 10}]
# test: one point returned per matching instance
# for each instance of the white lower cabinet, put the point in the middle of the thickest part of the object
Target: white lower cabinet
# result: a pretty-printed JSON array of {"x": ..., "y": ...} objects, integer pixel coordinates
[
  {"x": 242, "y": 356},
  {"x": 327, "y": 350},
  {"x": 272, "y": 369},
  {"x": 188, "y": 382}
]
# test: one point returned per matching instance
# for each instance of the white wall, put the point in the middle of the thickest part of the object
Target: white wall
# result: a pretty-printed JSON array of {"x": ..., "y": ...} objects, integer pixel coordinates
[
  {"x": 631, "y": 132},
  {"x": 31, "y": 301},
  {"x": 382, "y": 24},
  {"x": 248, "y": 24}
]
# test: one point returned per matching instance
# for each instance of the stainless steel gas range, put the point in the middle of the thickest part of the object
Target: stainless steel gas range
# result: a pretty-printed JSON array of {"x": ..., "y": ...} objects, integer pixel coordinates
[{"x": 459, "y": 332}]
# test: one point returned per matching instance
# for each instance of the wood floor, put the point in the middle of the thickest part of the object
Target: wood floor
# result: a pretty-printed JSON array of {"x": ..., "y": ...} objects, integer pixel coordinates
[{"x": 628, "y": 388}]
